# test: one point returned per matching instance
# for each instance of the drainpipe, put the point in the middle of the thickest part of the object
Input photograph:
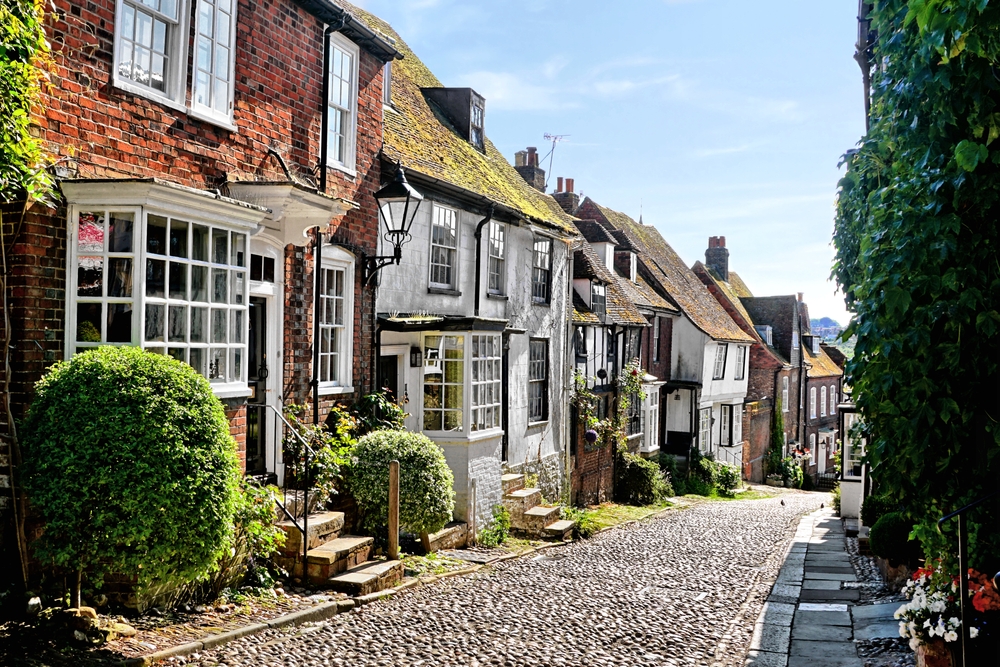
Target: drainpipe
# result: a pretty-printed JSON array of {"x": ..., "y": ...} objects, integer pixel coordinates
[
  {"x": 317, "y": 281},
  {"x": 505, "y": 389},
  {"x": 569, "y": 354},
  {"x": 324, "y": 121},
  {"x": 479, "y": 252}
]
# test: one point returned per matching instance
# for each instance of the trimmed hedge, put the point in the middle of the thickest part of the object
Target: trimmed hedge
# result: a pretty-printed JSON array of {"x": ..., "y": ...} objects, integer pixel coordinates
[
  {"x": 426, "y": 493},
  {"x": 639, "y": 481},
  {"x": 875, "y": 507},
  {"x": 129, "y": 461},
  {"x": 889, "y": 538}
]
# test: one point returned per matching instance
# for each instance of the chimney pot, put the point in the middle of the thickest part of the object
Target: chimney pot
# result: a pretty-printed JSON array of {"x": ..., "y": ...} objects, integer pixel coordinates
[
  {"x": 800, "y": 296},
  {"x": 717, "y": 257},
  {"x": 569, "y": 185},
  {"x": 532, "y": 156},
  {"x": 559, "y": 184},
  {"x": 722, "y": 241}
]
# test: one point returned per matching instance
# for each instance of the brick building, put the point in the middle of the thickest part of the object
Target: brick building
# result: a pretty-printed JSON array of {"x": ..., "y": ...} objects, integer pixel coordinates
[
  {"x": 198, "y": 143},
  {"x": 823, "y": 389}
]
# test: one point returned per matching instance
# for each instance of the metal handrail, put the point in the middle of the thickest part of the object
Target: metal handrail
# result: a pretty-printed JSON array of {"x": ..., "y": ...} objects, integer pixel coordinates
[{"x": 963, "y": 569}]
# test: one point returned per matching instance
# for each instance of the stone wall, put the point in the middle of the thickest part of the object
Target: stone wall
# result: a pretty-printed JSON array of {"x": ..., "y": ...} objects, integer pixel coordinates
[{"x": 548, "y": 470}]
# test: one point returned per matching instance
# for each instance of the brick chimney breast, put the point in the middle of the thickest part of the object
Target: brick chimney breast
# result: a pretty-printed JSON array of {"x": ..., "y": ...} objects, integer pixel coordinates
[
  {"x": 568, "y": 200},
  {"x": 717, "y": 257},
  {"x": 526, "y": 164}
]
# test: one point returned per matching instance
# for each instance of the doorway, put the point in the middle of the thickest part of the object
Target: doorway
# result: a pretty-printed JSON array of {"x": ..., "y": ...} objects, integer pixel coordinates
[{"x": 257, "y": 372}]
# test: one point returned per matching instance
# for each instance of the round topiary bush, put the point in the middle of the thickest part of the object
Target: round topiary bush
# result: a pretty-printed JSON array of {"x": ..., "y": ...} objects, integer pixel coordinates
[
  {"x": 889, "y": 538},
  {"x": 129, "y": 461},
  {"x": 727, "y": 477},
  {"x": 426, "y": 493}
]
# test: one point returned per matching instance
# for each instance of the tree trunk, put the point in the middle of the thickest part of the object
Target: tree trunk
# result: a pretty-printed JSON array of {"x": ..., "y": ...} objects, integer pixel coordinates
[{"x": 76, "y": 588}]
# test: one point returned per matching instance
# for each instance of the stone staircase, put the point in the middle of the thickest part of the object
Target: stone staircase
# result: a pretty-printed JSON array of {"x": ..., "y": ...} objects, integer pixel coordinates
[
  {"x": 336, "y": 561},
  {"x": 530, "y": 518}
]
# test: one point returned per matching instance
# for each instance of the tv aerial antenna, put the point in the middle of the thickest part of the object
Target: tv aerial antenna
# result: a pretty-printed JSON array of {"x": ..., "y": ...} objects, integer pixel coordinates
[{"x": 555, "y": 139}]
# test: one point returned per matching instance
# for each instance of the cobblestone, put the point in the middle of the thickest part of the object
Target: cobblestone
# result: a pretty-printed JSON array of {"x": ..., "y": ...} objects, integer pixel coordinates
[{"x": 680, "y": 590}]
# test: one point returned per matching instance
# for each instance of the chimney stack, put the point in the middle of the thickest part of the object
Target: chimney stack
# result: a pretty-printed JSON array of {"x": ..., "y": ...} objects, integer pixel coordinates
[
  {"x": 717, "y": 257},
  {"x": 526, "y": 164},
  {"x": 568, "y": 200}
]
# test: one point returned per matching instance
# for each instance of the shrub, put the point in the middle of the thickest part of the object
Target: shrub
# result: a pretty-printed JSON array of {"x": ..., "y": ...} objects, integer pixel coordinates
[
  {"x": 639, "y": 481},
  {"x": 703, "y": 467},
  {"x": 378, "y": 412},
  {"x": 727, "y": 477},
  {"x": 807, "y": 483},
  {"x": 129, "y": 461},
  {"x": 836, "y": 498},
  {"x": 426, "y": 496},
  {"x": 497, "y": 532},
  {"x": 332, "y": 443},
  {"x": 668, "y": 464},
  {"x": 875, "y": 507},
  {"x": 584, "y": 524},
  {"x": 791, "y": 471},
  {"x": 699, "y": 487},
  {"x": 889, "y": 538}
]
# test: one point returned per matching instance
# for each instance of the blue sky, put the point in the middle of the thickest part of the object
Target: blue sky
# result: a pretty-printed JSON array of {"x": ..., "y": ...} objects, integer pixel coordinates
[{"x": 712, "y": 117}]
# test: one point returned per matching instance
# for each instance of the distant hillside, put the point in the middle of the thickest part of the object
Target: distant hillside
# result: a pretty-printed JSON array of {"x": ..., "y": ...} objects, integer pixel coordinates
[{"x": 824, "y": 323}]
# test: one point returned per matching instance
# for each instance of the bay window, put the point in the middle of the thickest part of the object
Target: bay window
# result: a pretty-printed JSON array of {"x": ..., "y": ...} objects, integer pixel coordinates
[
  {"x": 444, "y": 383},
  {"x": 462, "y": 382},
  {"x": 487, "y": 383}
]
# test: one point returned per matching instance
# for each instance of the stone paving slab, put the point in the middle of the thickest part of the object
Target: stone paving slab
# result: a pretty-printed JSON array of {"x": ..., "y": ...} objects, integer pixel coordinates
[
  {"x": 829, "y": 570},
  {"x": 882, "y": 629},
  {"x": 876, "y": 612},
  {"x": 820, "y": 585},
  {"x": 850, "y": 596},
  {"x": 769, "y": 637},
  {"x": 821, "y": 651},
  {"x": 822, "y": 618},
  {"x": 766, "y": 659},
  {"x": 830, "y": 576},
  {"x": 827, "y": 661},
  {"x": 838, "y": 633}
]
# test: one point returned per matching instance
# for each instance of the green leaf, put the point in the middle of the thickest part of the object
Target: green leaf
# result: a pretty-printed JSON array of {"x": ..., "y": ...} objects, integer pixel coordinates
[{"x": 968, "y": 154}]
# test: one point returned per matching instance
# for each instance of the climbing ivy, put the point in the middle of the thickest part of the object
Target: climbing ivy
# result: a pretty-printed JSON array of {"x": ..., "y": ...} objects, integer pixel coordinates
[
  {"x": 24, "y": 62},
  {"x": 917, "y": 258}
]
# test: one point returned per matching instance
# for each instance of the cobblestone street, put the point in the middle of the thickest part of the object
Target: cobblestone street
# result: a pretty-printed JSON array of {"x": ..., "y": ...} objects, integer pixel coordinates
[{"x": 682, "y": 589}]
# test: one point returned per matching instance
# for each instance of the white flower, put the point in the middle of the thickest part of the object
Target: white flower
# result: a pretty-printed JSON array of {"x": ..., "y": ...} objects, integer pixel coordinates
[
  {"x": 927, "y": 622},
  {"x": 914, "y": 643},
  {"x": 902, "y": 629},
  {"x": 973, "y": 632},
  {"x": 954, "y": 622},
  {"x": 951, "y": 636},
  {"x": 937, "y": 606}
]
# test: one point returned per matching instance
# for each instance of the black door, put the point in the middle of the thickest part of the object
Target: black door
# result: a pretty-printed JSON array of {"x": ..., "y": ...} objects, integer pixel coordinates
[
  {"x": 256, "y": 404},
  {"x": 388, "y": 375}
]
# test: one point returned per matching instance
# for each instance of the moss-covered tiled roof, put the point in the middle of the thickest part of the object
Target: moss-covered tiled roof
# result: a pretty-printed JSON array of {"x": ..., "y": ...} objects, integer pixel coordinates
[
  {"x": 727, "y": 288},
  {"x": 738, "y": 286},
  {"x": 821, "y": 364},
  {"x": 671, "y": 275},
  {"x": 425, "y": 141},
  {"x": 620, "y": 309}
]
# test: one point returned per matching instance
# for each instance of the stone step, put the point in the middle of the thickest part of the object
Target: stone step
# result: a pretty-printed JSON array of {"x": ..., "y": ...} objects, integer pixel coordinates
[
  {"x": 511, "y": 482},
  {"x": 535, "y": 519},
  {"x": 455, "y": 535},
  {"x": 368, "y": 577},
  {"x": 322, "y": 528},
  {"x": 520, "y": 501},
  {"x": 560, "y": 530},
  {"x": 337, "y": 556}
]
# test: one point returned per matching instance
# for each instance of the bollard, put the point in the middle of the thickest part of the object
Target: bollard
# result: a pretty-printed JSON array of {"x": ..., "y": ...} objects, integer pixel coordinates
[{"x": 393, "y": 510}]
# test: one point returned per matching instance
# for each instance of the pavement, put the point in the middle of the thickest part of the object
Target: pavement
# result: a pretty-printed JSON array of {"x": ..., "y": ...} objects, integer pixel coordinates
[
  {"x": 680, "y": 590},
  {"x": 811, "y": 617}
]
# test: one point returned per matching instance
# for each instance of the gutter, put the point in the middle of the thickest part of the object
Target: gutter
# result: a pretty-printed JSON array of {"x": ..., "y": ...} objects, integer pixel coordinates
[{"x": 479, "y": 255}]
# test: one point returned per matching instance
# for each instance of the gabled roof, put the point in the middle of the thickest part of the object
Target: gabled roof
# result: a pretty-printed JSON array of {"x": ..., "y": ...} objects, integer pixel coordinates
[
  {"x": 594, "y": 232},
  {"x": 821, "y": 364},
  {"x": 727, "y": 289},
  {"x": 421, "y": 137},
  {"x": 644, "y": 296},
  {"x": 737, "y": 285},
  {"x": 669, "y": 273},
  {"x": 620, "y": 309}
]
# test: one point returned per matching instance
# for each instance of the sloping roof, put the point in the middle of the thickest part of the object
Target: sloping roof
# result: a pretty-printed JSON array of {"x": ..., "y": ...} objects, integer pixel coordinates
[
  {"x": 424, "y": 140},
  {"x": 594, "y": 232},
  {"x": 620, "y": 309},
  {"x": 822, "y": 364},
  {"x": 678, "y": 282},
  {"x": 738, "y": 286},
  {"x": 727, "y": 289},
  {"x": 643, "y": 295},
  {"x": 581, "y": 313}
]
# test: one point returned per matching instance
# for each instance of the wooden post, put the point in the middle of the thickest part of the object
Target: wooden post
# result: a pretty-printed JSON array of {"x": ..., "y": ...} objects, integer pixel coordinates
[
  {"x": 472, "y": 527},
  {"x": 393, "y": 510}
]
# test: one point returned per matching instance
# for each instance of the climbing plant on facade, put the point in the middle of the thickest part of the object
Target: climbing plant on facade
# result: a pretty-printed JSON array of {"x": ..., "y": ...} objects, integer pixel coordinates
[{"x": 917, "y": 247}]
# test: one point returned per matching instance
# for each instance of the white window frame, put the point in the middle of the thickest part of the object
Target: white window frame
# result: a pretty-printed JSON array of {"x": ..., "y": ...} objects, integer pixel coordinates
[
  {"x": 741, "y": 362},
  {"x": 452, "y": 250},
  {"x": 651, "y": 419},
  {"x": 822, "y": 401},
  {"x": 176, "y": 45},
  {"x": 721, "y": 352},
  {"x": 737, "y": 424},
  {"x": 656, "y": 337},
  {"x": 348, "y": 161},
  {"x": 475, "y": 373},
  {"x": 705, "y": 429},
  {"x": 538, "y": 380},
  {"x": 337, "y": 259},
  {"x": 598, "y": 290},
  {"x": 209, "y": 112},
  {"x": 387, "y": 84},
  {"x": 496, "y": 265},
  {"x": 726, "y": 426},
  {"x": 485, "y": 373},
  {"x": 812, "y": 402},
  {"x": 541, "y": 276},
  {"x": 784, "y": 393},
  {"x": 833, "y": 399}
]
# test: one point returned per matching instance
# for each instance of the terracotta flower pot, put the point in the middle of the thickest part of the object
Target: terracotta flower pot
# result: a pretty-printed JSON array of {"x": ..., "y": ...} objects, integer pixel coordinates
[{"x": 935, "y": 654}]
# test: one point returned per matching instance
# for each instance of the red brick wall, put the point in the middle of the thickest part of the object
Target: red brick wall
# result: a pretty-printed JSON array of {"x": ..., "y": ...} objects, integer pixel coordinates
[
  {"x": 592, "y": 473},
  {"x": 661, "y": 368}
]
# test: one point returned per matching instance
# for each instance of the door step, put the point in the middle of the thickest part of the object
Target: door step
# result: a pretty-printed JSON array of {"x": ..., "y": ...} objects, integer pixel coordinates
[
  {"x": 337, "y": 556},
  {"x": 368, "y": 577},
  {"x": 561, "y": 530}
]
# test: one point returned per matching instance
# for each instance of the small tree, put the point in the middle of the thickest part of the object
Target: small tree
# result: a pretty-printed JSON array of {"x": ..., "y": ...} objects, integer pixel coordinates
[
  {"x": 129, "y": 461},
  {"x": 426, "y": 493},
  {"x": 772, "y": 463}
]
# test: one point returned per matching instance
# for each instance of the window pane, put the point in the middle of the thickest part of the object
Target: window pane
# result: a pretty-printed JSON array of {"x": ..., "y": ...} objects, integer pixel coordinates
[
  {"x": 217, "y": 363},
  {"x": 197, "y": 359},
  {"x": 90, "y": 233},
  {"x": 239, "y": 281},
  {"x": 119, "y": 323},
  {"x": 178, "y": 280},
  {"x": 237, "y": 365},
  {"x": 178, "y": 238},
  {"x": 120, "y": 233},
  {"x": 199, "y": 322},
  {"x": 219, "y": 325},
  {"x": 199, "y": 283},
  {"x": 256, "y": 267},
  {"x": 220, "y": 246},
  {"x": 177, "y": 353},
  {"x": 88, "y": 322},
  {"x": 269, "y": 269},
  {"x": 155, "y": 277},
  {"x": 432, "y": 420},
  {"x": 178, "y": 324},
  {"x": 199, "y": 243},
  {"x": 90, "y": 276},
  {"x": 236, "y": 335},
  {"x": 219, "y": 288},
  {"x": 239, "y": 249},
  {"x": 156, "y": 234},
  {"x": 119, "y": 277},
  {"x": 154, "y": 322}
]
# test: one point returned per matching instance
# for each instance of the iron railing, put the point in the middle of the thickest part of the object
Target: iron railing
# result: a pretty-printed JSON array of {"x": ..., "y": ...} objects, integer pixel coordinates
[{"x": 963, "y": 567}]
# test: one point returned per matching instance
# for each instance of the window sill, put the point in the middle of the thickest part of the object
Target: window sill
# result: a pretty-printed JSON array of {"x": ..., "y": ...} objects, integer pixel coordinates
[
  {"x": 332, "y": 391},
  {"x": 539, "y": 302},
  {"x": 344, "y": 169},
  {"x": 457, "y": 437},
  {"x": 149, "y": 94},
  {"x": 541, "y": 422},
  {"x": 231, "y": 390},
  {"x": 498, "y": 297},
  {"x": 446, "y": 291},
  {"x": 212, "y": 120}
]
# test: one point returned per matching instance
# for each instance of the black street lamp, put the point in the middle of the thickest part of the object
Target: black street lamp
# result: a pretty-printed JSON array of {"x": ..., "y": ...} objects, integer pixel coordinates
[{"x": 398, "y": 203}]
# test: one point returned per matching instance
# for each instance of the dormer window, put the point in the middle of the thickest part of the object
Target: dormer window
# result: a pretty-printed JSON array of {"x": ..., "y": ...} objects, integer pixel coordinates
[
  {"x": 598, "y": 299},
  {"x": 477, "y": 134}
]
